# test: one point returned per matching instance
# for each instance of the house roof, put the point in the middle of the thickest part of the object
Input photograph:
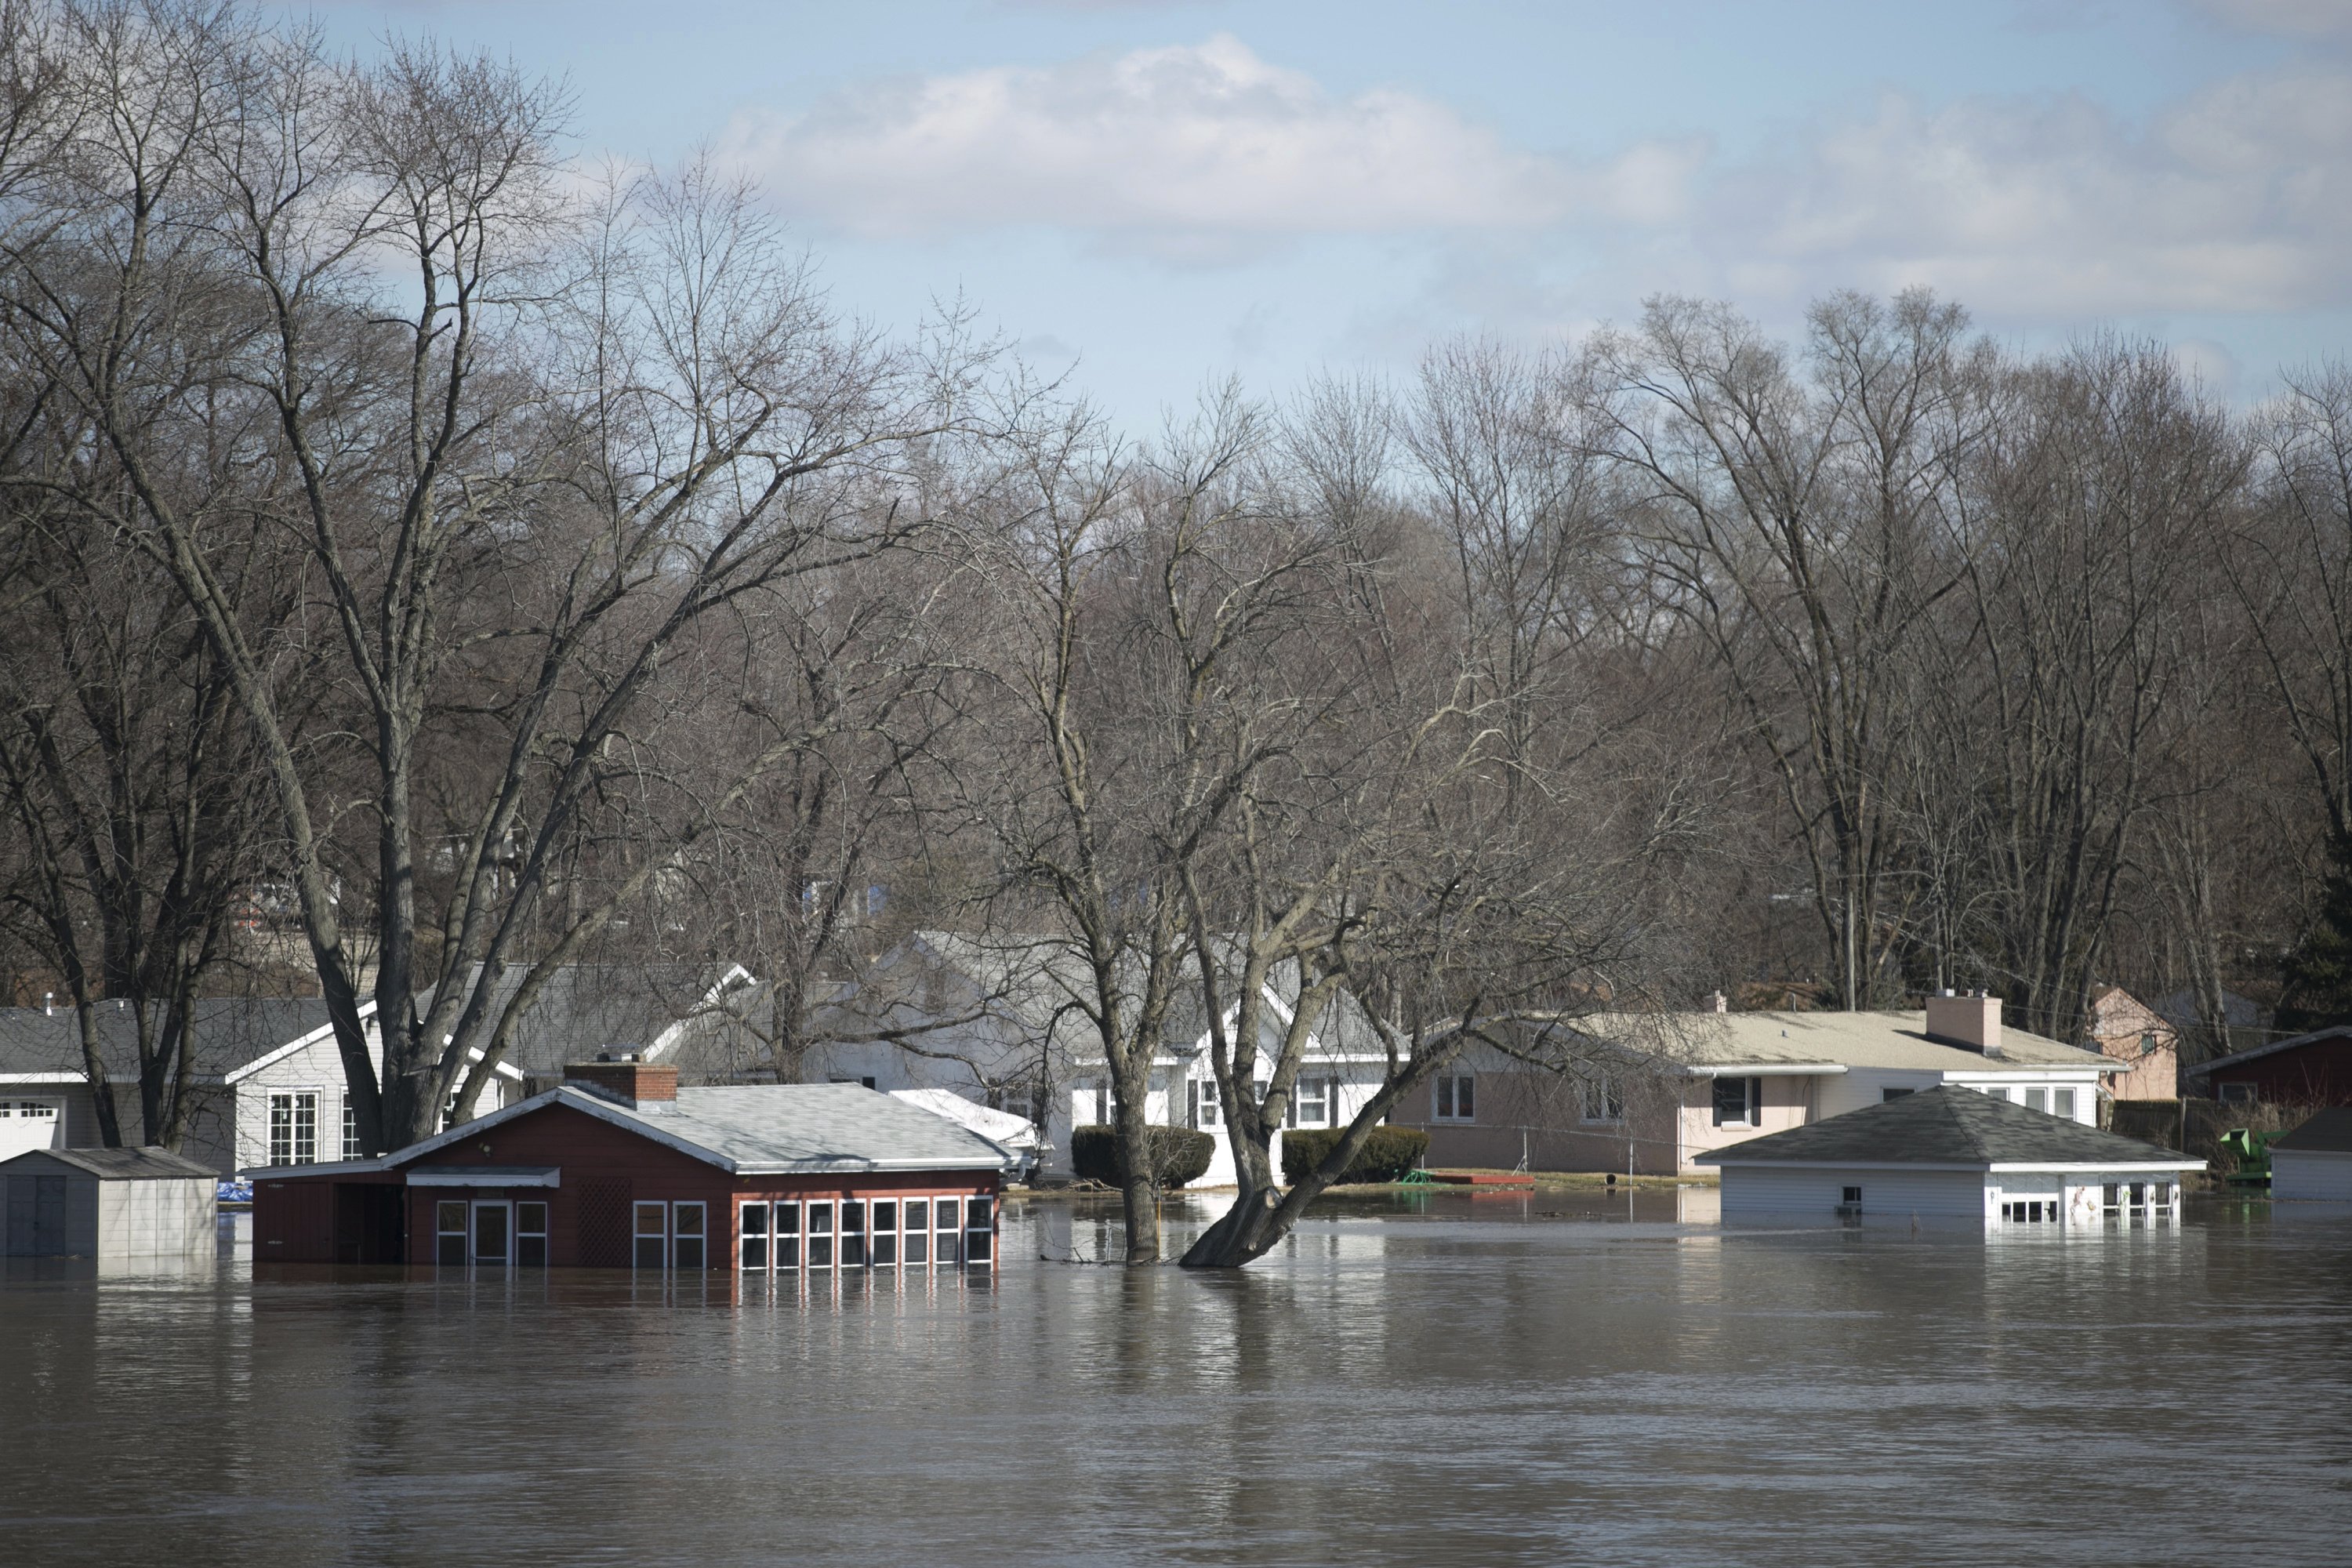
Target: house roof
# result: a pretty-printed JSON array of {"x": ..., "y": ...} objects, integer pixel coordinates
[
  {"x": 2327, "y": 1132},
  {"x": 1829, "y": 1041},
  {"x": 1951, "y": 1127},
  {"x": 998, "y": 1126},
  {"x": 123, "y": 1164},
  {"x": 752, "y": 1130},
  {"x": 2333, "y": 1032},
  {"x": 230, "y": 1032}
]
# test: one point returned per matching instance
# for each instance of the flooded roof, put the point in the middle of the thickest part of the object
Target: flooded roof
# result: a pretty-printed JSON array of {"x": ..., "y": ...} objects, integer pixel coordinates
[
  {"x": 2328, "y": 1133},
  {"x": 1898, "y": 1040},
  {"x": 1947, "y": 1126}
]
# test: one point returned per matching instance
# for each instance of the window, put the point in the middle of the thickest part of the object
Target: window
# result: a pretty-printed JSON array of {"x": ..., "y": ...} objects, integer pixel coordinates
[
  {"x": 919, "y": 1232},
  {"x": 294, "y": 1128},
  {"x": 852, "y": 1234},
  {"x": 886, "y": 1233},
  {"x": 820, "y": 1236},
  {"x": 1851, "y": 1198},
  {"x": 449, "y": 1234},
  {"x": 2062, "y": 1103},
  {"x": 2239, "y": 1094},
  {"x": 1021, "y": 1105},
  {"x": 1601, "y": 1099},
  {"x": 1096, "y": 1094},
  {"x": 2031, "y": 1210},
  {"x": 945, "y": 1214},
  {"x": 649, "y": 1244},
  {"x": 1886, "y": 1094},
  {"x": 977, "y": 1232},
  {"x": 752, "y": 1238},
  {"x": 531, "y": 1234},
  {"x": 1739, "y": 1102},
  {"x": 787, "y": 1222},
  {"x": 1996, "y": 1093},
  {"x": 2036, "y": 1099},
  {"x": 867, "y": 1082},
  {"x": 351, "y": 1129},
  {"x": 2147, "y": 1043},
  {"x": 1315, "y": 1099},
  {"x": 1203, "y": 1109},
  {"x": 1456, "y": 1097}
]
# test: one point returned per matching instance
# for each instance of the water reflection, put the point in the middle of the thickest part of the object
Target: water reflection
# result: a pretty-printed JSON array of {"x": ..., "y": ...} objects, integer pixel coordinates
[{"x": 1529, "y": 1377}]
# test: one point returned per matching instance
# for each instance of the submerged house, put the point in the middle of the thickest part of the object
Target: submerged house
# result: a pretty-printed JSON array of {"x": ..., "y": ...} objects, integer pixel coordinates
[
  {"x": 1650, "y": 1093},
  {"x": 128, "y": 1209},
  {"x": 2313, "y": 1068},
  {"x": 1950, "y": 1153},
  {"x": 2314, "y": 1162},
  {"x": 618, "y": 1167}
]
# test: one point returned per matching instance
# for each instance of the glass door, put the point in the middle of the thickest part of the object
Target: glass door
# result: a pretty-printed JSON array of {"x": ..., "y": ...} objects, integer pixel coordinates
[
  {"x": 886, "y": 1233},
  {"x": 531, "y": 1234},
  {"x": 493, "y": 1225},
  {"x": 687, "y": 1238},
  {"x": 649, "y": 1244}
]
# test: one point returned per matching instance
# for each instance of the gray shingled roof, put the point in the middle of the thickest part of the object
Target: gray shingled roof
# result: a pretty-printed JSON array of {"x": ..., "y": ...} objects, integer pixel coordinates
[
  {"x": 124, "y": 1165},
  {"x": 1947, "y": 1126},
  {"x": 768, "y": 1129},
  {"x": 230, "y": 1031},
  {"x": 2328, "y": 1133}
]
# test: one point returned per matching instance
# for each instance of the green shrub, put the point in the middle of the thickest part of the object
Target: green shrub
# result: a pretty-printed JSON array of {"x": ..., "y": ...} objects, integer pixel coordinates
[
  {"x": 1386, "y": 1155},
  {"x": 1182, "y": 1155}
]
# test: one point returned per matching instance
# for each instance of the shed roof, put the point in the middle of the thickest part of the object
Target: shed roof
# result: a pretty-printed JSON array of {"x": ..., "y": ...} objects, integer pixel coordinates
[
  {"x": 1896, "y": 1040},
  {"x": 1948, "y": 1126},
  {"x": 2294, "y": 1042},
  {"x": 2327, "y": 1132},
  {"x": 123, "y": 1164}
]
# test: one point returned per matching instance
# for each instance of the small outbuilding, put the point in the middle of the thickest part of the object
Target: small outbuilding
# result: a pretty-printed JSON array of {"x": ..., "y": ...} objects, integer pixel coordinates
[
  {"x": 2314, "y": 1162},
  {"x": 120, "y": 1206},
  {"x": 1950, "y": 1153}
]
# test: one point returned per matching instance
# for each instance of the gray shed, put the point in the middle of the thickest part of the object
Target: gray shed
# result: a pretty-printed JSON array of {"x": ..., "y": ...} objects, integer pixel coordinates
[{"x": 112, "y": 1205}]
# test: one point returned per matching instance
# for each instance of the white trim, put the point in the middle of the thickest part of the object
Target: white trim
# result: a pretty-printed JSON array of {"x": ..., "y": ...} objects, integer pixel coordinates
[
  {"x": 327, "y": 1032},
  {"x": 60, "y": 1078},
  {"x": 736, "y": 976},
  {"x": 2082, "y": 1167},
  {"x": 1799, "y": 1069},
  {"x": 487, "y": 1176}
]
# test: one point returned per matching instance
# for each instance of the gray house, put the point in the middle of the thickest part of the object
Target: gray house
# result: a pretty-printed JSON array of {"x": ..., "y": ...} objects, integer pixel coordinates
[
  {"x": 1952, "y": 1154},
  {"x": 127, "y": 1209}
]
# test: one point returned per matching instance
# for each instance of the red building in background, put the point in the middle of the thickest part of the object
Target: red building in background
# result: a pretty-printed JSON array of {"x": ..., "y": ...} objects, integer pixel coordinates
[
  {"x": 619, "y": 1168},
  {"x": 2308, "y": 1069}
]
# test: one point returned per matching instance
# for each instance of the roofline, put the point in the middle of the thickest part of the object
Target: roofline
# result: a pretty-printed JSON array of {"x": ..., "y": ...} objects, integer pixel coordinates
[
  {"x": 326, "y": 1031},
  {"x": 66, "y": 1077},
  {"x": 1731, "y": 1157},
  {"x": 2309, "y": 1037}
]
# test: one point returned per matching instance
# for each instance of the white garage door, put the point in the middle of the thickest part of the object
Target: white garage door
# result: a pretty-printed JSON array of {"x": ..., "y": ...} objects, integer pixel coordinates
[{"x": 28, "y": 1124}]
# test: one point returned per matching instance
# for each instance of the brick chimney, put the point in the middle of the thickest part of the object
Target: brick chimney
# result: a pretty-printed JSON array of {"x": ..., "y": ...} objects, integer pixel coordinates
[
  {"x": 1971, "y": 1022},
  {"x": 620, "y": 1077}
]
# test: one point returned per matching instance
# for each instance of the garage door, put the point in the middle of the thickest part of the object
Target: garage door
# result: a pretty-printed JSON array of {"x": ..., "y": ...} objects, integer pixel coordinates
[{"x": 27, "y": 1124}]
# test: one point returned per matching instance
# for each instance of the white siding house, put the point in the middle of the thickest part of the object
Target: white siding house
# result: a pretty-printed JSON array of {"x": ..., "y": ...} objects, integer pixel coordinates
[
  {"x": 2314, "y": 1162},
  {"x": 1949, "y": 1153}
]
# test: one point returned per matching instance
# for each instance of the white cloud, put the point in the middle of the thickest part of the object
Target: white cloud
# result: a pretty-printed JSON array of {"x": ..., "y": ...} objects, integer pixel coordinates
[
  {"x": 1196, "y": 152},
  {"x": 2237, "y": 198}
]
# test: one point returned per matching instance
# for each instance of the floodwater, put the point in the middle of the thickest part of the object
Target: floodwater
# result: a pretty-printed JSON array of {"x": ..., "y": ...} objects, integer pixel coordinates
[{"x": 1448, "y": 1378}]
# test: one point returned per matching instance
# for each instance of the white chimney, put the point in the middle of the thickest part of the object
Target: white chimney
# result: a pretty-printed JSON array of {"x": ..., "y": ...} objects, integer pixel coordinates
[
  {"x": 1719, "y": 1003},
  {"x": 48, "y": 1004},
  {"x": 1971, "y": 1022}
]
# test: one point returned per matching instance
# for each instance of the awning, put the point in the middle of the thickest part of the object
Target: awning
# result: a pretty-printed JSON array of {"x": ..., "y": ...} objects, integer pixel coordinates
[{"x": 486, "y": 1176}]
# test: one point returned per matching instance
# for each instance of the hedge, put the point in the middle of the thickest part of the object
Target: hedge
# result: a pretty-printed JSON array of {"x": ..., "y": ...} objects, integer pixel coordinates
[
  {"x": 1386, "y": 1155},
  {"x": 1182, "y": 1155}
]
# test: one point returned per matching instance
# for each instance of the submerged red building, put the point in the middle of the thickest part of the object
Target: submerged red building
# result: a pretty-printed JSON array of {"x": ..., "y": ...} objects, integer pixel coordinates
[{"x": 619, "y": 1168}]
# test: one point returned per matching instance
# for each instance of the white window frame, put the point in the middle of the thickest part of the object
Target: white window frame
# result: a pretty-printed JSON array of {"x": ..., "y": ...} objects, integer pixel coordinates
[
  {"x": 350, "y": 1150},
  {"x": 294, "y": 1142},
  {"x": 1600, "y": 1090},
  {"x": 1446, "y": 1097},
  {"x": 2037, "y": 1098},
  {"x": 745, "y": 1237},
  {"x": 1205, "y": 1110},
  {"x": 913, "y": 1237},
  {"x": 2062, "y": 1102},
  {"x": 1325, "y": 1102},
  {"x": 1751, "y": 1093},
  {"x": 812, "y": 1238}
]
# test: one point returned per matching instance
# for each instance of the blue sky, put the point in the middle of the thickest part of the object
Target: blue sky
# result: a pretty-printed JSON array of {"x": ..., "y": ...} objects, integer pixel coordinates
[{"x": 1165, "y": 193}]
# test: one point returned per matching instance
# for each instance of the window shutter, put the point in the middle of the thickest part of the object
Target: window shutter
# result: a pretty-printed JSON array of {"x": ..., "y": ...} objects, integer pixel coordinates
[
  {"x": 1193, "y": 1105},
  {"x": 1755, "y": 1102}
]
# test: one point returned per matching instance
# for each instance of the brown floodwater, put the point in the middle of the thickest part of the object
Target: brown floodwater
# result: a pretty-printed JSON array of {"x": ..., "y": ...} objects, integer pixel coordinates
[{"x": 1449, "y": 1379}]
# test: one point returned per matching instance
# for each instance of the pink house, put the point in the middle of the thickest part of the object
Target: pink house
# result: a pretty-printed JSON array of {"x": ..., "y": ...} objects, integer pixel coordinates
[{"x": 2124, "y": 1029}]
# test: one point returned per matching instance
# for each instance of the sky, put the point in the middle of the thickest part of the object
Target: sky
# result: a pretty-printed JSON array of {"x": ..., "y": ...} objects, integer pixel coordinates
[{"x": 1156, "y": 197}]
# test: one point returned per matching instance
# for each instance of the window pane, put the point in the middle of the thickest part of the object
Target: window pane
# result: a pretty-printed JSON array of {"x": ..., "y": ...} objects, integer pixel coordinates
[
  {"x": 530, "y": 1251},
  {"x": 975, "y": 1246},
  {"x": 947, "y": 1214},
  {"x": 2034, "y": 1099},
  {"x": 530, "y": 1219},
  {"x": 788, "y": 1218},
  {"x": 755, "y": 1219},
  {"x": 885, "y": 1216},
  {"x": 2063, "y": 1102},
  {"x": 919, "y": 1215},
  {"x": 651, "y": 1220},
  {"x": 918, "y": 1248},
  {"x": 1462, "y": 1104},
  {"x": 1445, "y": 1097},
  {"x": 449, "y": 1216},
  {"x": 688, "y": 1219},
  {"x": 975, "y": 1214}
]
